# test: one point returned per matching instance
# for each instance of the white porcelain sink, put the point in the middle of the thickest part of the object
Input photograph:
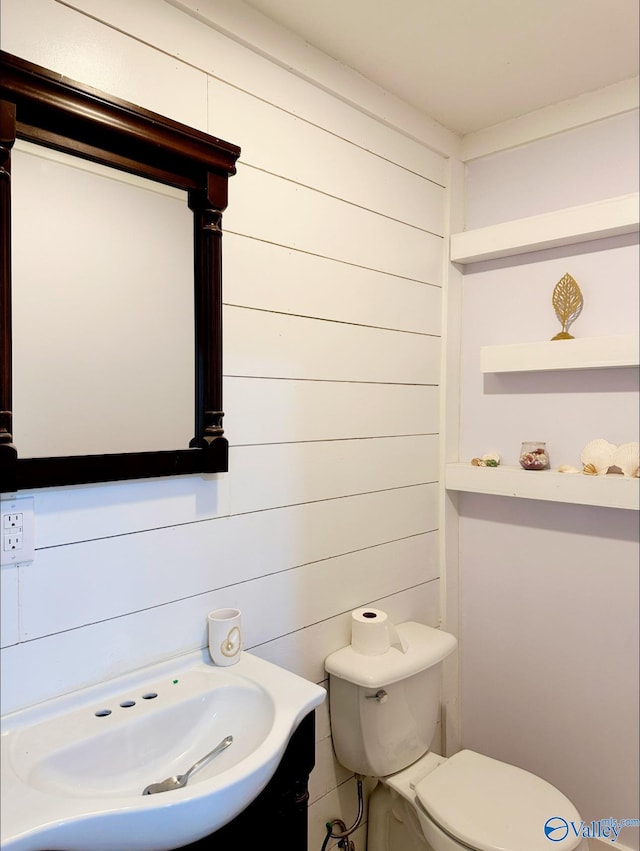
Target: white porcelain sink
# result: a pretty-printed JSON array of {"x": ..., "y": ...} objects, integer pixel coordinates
[{"x": 74, "y": 768}]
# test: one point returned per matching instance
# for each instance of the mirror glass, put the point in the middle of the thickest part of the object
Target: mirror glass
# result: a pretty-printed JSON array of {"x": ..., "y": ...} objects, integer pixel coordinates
[{"x": 103, "y": 308}]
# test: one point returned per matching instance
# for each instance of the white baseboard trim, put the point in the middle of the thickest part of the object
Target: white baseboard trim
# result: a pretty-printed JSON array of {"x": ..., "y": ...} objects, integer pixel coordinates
[{"x": 601, "y": 844}]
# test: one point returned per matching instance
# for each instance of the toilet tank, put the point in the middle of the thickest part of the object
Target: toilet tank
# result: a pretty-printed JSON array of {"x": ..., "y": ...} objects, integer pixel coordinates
[{"x": 384, "y": 709}]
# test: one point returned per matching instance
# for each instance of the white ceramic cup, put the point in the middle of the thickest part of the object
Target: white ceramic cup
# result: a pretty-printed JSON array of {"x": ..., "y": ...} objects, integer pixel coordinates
[{"x": 224, "y": 630}]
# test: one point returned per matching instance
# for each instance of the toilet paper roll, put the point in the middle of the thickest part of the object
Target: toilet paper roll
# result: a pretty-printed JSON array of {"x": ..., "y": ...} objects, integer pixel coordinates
[{"x": 372, "y": 633}]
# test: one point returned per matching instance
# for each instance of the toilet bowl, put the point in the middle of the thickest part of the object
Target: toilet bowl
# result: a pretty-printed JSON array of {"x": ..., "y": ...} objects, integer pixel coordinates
[
  {"x": 493, "y": 806},
  {"x": 384, "y": 710}
]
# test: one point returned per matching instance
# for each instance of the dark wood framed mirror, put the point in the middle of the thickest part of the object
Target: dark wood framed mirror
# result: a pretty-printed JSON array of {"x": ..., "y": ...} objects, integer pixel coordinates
[{"x": 44, "y": 108}]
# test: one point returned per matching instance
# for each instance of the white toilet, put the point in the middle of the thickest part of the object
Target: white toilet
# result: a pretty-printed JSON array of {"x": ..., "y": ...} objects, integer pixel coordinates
[{"x": 384, "y": 710}]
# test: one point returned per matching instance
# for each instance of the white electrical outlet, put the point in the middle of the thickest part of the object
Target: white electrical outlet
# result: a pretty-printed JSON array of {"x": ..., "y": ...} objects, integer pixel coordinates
[{"x": 17, "y": 538}]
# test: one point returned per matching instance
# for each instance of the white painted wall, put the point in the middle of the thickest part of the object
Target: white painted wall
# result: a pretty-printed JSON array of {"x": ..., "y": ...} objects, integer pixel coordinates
[
  {"x": 549, "y": 592},
  {"x": 332, "y": 289},
  {"x": 579, "y": 166}
]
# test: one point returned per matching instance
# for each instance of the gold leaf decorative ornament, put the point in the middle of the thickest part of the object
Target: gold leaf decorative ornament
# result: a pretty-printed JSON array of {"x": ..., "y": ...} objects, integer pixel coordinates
[{"x": 567, "y": 302}]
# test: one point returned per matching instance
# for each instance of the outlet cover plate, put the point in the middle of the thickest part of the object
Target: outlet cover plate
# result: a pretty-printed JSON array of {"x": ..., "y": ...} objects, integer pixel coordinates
[{"x": 17, "y": 531}]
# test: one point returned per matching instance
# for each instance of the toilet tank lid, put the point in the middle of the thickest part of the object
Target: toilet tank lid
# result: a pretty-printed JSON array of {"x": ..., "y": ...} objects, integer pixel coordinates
[{"x": 425, "y": 645}]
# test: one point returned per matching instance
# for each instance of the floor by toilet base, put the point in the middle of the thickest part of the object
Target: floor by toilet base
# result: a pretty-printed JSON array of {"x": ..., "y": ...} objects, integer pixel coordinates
[{"x": 384, "y": 710}]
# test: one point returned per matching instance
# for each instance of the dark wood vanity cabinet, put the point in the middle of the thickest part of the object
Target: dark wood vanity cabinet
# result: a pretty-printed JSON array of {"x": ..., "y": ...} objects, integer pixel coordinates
[{"x": 278, "y": 816}]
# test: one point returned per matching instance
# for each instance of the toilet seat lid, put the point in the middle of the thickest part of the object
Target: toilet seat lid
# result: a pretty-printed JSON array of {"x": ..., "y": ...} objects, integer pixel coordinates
[{"x": 492, "y": 806}]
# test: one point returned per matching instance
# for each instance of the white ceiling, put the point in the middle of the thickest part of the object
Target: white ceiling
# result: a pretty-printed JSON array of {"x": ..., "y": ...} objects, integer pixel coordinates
[{"x": 472, "y": 63}]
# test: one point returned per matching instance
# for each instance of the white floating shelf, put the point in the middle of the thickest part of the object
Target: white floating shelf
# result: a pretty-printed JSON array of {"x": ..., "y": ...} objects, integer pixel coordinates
[
  {"x": 610, "y": 491},
  {"x": 585, "y": 353},
  {"x": 611, "y": 217}
]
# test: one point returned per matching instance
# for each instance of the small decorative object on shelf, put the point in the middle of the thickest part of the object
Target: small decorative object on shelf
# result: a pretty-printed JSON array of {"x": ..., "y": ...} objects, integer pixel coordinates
[
  {"x": 600, "y": 457},
  {"x": 627, "y": 458},
  {"x": 597, "y": 456},
  {"x": 534, "y": 455},
  {"x": 490, "y": 460},
  {"x": 567, "y": 302},
  {"x": 567, "y": 468}
]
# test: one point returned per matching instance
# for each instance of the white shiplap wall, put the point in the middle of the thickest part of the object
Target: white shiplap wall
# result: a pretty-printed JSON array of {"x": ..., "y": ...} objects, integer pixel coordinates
[{"x": 332, "y": 291}]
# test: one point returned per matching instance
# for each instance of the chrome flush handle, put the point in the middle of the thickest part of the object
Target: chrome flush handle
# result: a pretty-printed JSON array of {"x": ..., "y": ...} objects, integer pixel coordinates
[{"x": 381, "y": 696}]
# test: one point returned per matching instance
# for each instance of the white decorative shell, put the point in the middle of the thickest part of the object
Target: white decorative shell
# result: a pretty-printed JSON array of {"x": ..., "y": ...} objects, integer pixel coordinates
[
  {"x": 491, "y": 460},
  {"x": 627, "y": 457},
  {"x": 598, "y": 456}
]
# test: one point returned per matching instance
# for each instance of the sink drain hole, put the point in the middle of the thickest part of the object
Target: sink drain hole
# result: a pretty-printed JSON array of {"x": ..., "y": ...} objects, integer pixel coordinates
[
  {"x": 101, "y": 713},
  {"x": 150, "y": 695},
  {"x": 126, "y": 703}
]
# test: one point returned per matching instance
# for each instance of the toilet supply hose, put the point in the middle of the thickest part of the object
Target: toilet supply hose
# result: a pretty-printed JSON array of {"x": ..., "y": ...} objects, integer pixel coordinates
[{"x": 345, "y": 831}]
